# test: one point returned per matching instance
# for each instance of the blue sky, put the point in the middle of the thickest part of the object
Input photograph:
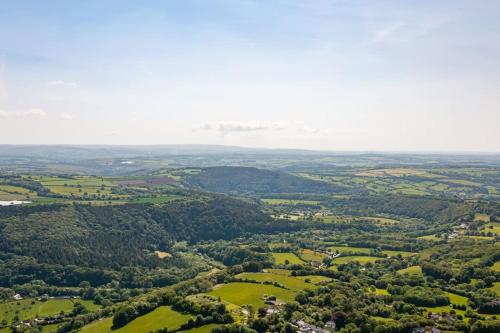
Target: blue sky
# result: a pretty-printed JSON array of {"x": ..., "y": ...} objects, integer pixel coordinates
[{"x": 336, "y": 75}]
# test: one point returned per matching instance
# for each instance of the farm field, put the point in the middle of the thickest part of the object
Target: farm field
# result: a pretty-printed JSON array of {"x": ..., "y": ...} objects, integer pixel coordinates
[
  {"x": 50, "y": 328},
  {"x": 345, "y": 250},
  {"x": 202, "y": 329},
  {"x": 160, "y": 317},
  {"x": 361, "y": 259},
  {"x": 411, "y": 270},
  {"x": 9, "y": 193},
  {"x": 294, "y": 283},
  {"x": 496, "y": 288},
  {"x": 496, "y": 266},
  {"x": 24, "y": 309},
  {"x": 77, "y": 186},
  {"x": 429, "y": 237},
  {"x": 282, "y": 258},
  {"x": 457, "y": 299},
  {"x": 493, "y": 227},
  {"x": 289, "y": 202},
  {"x": 240, "y": 293},
  {"x": 310, "y": 255}
]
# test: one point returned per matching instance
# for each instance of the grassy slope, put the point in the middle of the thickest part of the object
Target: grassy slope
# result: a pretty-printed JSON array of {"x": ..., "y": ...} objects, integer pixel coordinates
[{"x": 240, "y": 293}]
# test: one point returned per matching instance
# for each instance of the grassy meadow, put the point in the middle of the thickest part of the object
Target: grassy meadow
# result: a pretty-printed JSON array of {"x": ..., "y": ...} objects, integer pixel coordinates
[{"x": 240, "y": 293}]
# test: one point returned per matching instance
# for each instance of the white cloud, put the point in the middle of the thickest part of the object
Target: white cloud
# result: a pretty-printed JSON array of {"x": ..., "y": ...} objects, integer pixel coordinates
[
  {"x": 66, "y": 116},
  {"x": 62, "y": 83},
  {"x": 32, "y": 113},
  {"x": 226, "y": 127},
  {"x": 3, "y": 114}
]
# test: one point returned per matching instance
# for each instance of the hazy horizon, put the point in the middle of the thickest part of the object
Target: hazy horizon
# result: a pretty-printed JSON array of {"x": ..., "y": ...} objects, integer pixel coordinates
[{"x": 345, "y": 76}]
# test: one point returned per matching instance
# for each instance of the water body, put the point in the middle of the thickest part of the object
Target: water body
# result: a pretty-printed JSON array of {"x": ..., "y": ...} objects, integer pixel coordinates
[{"x": 13, "y": 202}]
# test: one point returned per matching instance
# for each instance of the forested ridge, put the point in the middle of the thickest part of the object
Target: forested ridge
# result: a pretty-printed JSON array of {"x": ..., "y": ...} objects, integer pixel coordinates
[
  {"x": 112, "y": 236},
  {"x": 249, "y": 180}
]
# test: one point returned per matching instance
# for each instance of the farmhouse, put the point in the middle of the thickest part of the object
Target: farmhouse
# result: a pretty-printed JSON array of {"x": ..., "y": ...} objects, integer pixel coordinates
[
  {"x": 308, "y": 328},
  {"x": 427, "y": 329}
]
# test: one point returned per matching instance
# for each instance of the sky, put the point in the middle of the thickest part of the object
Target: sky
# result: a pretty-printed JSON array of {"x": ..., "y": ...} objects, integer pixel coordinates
[{"x": 342, "y": 75}]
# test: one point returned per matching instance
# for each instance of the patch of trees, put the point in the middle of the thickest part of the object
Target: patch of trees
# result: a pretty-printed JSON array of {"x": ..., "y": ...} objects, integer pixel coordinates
[{"x": 247, "y": 180}]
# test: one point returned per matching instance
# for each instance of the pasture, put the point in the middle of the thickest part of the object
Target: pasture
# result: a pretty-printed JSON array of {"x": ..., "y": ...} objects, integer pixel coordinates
[
  {"x": 457, "y": 299},
  {"x": 77, "y": 186},
  {"x": 361, "y": 259},
  {"x": 291, "y": 202},
  {"x": 160, "y": 317},
  {"x": 412, "y": 270},
  {"x": 202, "y": 329},
  {"x": 291, "y": 282},
  {"x": 240, "y": 293},
  {"x": 496, "y": 288},
  {"x": 286, "y": 258},
  {"x": 347, "y": 250},
  {"x": 493, "y": 227},
  {"x": 429, "y": 237},
  {"x": 496, "y": 266},
  {"x": 310, "y": 255},
  {"x": 31, "y": 308},
  {"x": 9, "y": 192}
]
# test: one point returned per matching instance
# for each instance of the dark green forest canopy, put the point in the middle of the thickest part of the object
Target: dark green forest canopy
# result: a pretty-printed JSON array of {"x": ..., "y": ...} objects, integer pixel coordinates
[{"x": 246, "y": 180}]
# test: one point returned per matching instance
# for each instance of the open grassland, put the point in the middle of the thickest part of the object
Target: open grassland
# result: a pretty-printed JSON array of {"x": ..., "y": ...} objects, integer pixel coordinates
[
  {"x": 31, "y": 308},
  {"x": 50, "y": 328},
  {"x": 381, "y": 220},
  {"x": 77, "y": 186},
  {"x": 395, "y": 172},
  {"x": 496, "y": 266},
  {"x": 457, "y": 299},
  {"x": 345, "y": 250},
  {"x": 162, "y": 254},
  {"x": 240, "y": 293},
  {"x": 9, "y": 192},
  {"x": 282, "y": 258},
  {"x": 445, "y": 309},
  {"x": 310, "y": 255},
  {"x": 290, "y": 202},
  {"x": 202, "y": 329},
  {"x": 160, "y": 317},
  {"x": 496, "y": 288},
  {"x": 291, "y": 282},
  {"x": 412, "y": 270},
  {"x": 429, "y": 237},
  {"x": 493, "y": 227},
  {"x": 361, "y": 259},
  {"x": 482, "y": 217}
]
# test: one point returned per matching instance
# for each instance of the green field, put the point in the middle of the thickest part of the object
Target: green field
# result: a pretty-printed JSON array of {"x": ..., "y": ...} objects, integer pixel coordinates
[
  {"x": 291, "y": 282},
  {"x": 429, "y": 237},
  {"x": 345, "y": 250},
  {"x": 496, "y": 288},
  {"x": 457, "y": 299},
  {"x": 202, "y": 329},
  {"x": 290, "y": 202},
  {"x": 280, "y": 258},
  {"x": 160, "y": 317},
  {"x": 411, "y": 270},
  {"x": 310, "y": 255},
  {"x": 496, "y": 266},
  {"x": 361, "y": 259},
  {"x": 26, "y": 310},
  {"x": 493, "y": 227},
  {"x": 77, "y": 186},
  {"x": 481, "y": 217},
  {"x": 446, "y": 309},
  {"x": 9, "y": 192},
  {"x": 240, "y": 293}
]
